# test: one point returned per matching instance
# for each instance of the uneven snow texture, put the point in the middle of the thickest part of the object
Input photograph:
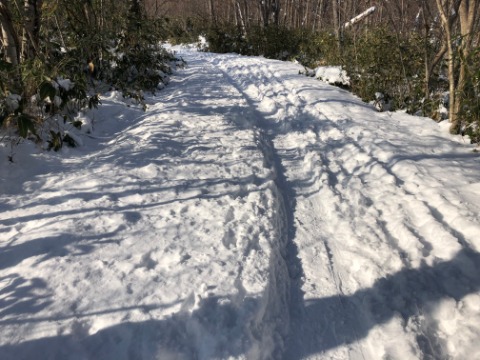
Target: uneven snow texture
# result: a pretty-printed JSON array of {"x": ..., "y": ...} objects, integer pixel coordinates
[{"x": 249, "y": 213}]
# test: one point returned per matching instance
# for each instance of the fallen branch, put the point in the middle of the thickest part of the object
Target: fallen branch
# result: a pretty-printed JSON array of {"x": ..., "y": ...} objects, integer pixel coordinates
[{"x": 359, "y": 17}]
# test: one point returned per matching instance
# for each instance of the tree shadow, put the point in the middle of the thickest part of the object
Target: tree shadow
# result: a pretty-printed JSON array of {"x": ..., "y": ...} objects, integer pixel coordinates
[
  {"x": 163, "y": 147},
  {"x": 345, "y": 319},
  {"x": 21, "y": 296},
  {"x": 66, "y": 244},
  {"x": 223, "y": 327},
  {"x": 218, "y": 328}
]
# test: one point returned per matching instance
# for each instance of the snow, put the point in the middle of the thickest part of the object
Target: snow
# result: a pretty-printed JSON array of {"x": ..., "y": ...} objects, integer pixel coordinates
[
  {"x": 249, "y": 213},
  {"x": 12, "y": 102},
  {"x": 65, "y": 84},
  {"x": 333, "y": 75}
]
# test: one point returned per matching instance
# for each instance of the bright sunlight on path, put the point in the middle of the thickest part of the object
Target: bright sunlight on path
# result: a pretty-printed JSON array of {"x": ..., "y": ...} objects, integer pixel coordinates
[{"x": 249, "y": 213}]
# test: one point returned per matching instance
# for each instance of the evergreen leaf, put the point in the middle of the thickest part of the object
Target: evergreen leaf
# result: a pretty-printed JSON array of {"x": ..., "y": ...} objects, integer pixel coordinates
[{"x": 47, "y": 90}]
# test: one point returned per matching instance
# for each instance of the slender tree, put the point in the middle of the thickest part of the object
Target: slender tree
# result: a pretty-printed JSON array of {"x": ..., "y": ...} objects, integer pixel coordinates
[
  {"x": 10, "y": 41},
  {"x": 31, "y": 32},
  {"x": 464, "y": 12}
]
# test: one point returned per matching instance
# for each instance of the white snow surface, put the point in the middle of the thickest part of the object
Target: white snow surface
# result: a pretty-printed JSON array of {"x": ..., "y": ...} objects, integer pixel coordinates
[
  {"x": 249, "y": 213},
  {"x": 334, "y": 75}
]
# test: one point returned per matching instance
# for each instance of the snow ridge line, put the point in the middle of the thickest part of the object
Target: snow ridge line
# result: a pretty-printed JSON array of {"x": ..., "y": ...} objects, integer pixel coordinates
[
  {"x": 433, "y": 212},
  {"x": 278, "y": 297},
  {"x": 275, "y": 323}
]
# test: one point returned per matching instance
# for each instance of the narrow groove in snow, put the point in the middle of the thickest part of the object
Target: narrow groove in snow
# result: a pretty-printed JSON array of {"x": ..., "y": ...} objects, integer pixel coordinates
[{"x": 285, "y": 269}]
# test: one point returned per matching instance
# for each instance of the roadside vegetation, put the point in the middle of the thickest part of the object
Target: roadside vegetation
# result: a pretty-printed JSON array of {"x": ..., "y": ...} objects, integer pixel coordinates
[{"x": 57, "y": 56}]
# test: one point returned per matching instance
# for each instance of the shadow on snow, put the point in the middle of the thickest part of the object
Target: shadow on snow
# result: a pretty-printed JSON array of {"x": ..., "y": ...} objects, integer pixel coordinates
[
  {"x": 221, "y": 327},
  {"x": 342, "y": 320}
]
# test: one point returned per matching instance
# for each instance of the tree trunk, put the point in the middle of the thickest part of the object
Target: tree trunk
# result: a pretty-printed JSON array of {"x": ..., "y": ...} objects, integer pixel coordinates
[
  {"x": 247, "y": 14},
  {"x": 468, "y": 14},
  {"x": 240, "y": 17},
  {"x": 305, "y": 15},
  {"x": 316, "y": 14},
  {"x": 212, "y": 12},
  {"x": 263, "y": 12},
  {"x": 336, "y": 21},
  {"x": 445, "y": 10},
  {"x": 9, "y": 37},
  {"x": 426, "y": 37},
  {"x": 276, "y": 12},
  {"x": 31, "y": 35}
]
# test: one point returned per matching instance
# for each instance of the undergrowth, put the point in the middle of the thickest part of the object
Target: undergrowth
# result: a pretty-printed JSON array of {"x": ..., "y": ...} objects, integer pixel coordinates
[{"x": 40, "y": 97}]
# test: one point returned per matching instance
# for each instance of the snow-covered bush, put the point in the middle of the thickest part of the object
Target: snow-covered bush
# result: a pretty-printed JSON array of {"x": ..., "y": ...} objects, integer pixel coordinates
[
  {"x": 40, "y": 98},
  {"x": 142, "y": 67},
  {"x": 334, "y": 75}
]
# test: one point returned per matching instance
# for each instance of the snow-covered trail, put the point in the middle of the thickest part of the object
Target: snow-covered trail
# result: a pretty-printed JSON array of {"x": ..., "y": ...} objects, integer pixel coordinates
[{"x": 250, "y": 213}]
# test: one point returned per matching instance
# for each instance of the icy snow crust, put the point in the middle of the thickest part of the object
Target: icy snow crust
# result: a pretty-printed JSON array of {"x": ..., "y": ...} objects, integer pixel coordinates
[{"x": 250, "y": 213}]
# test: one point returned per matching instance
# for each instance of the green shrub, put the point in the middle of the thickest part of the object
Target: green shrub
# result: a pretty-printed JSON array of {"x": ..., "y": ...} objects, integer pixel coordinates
[
  {"x": 318, "y": 49},
  {"x": 49, "y": 88},
  {"x": 380, "y": 61},
  {"x": 182, "y": 31},
  {"x": 274, "y": 42},
  {"x": 225, "y": 38}
]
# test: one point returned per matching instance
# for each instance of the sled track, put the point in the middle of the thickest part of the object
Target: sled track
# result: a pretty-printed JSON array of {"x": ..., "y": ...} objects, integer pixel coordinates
[{"x": 285, "y": 269}]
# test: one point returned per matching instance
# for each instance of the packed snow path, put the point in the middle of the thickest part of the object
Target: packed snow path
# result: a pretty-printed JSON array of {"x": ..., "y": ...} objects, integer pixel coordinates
[{"x": 250, "y": 213}]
